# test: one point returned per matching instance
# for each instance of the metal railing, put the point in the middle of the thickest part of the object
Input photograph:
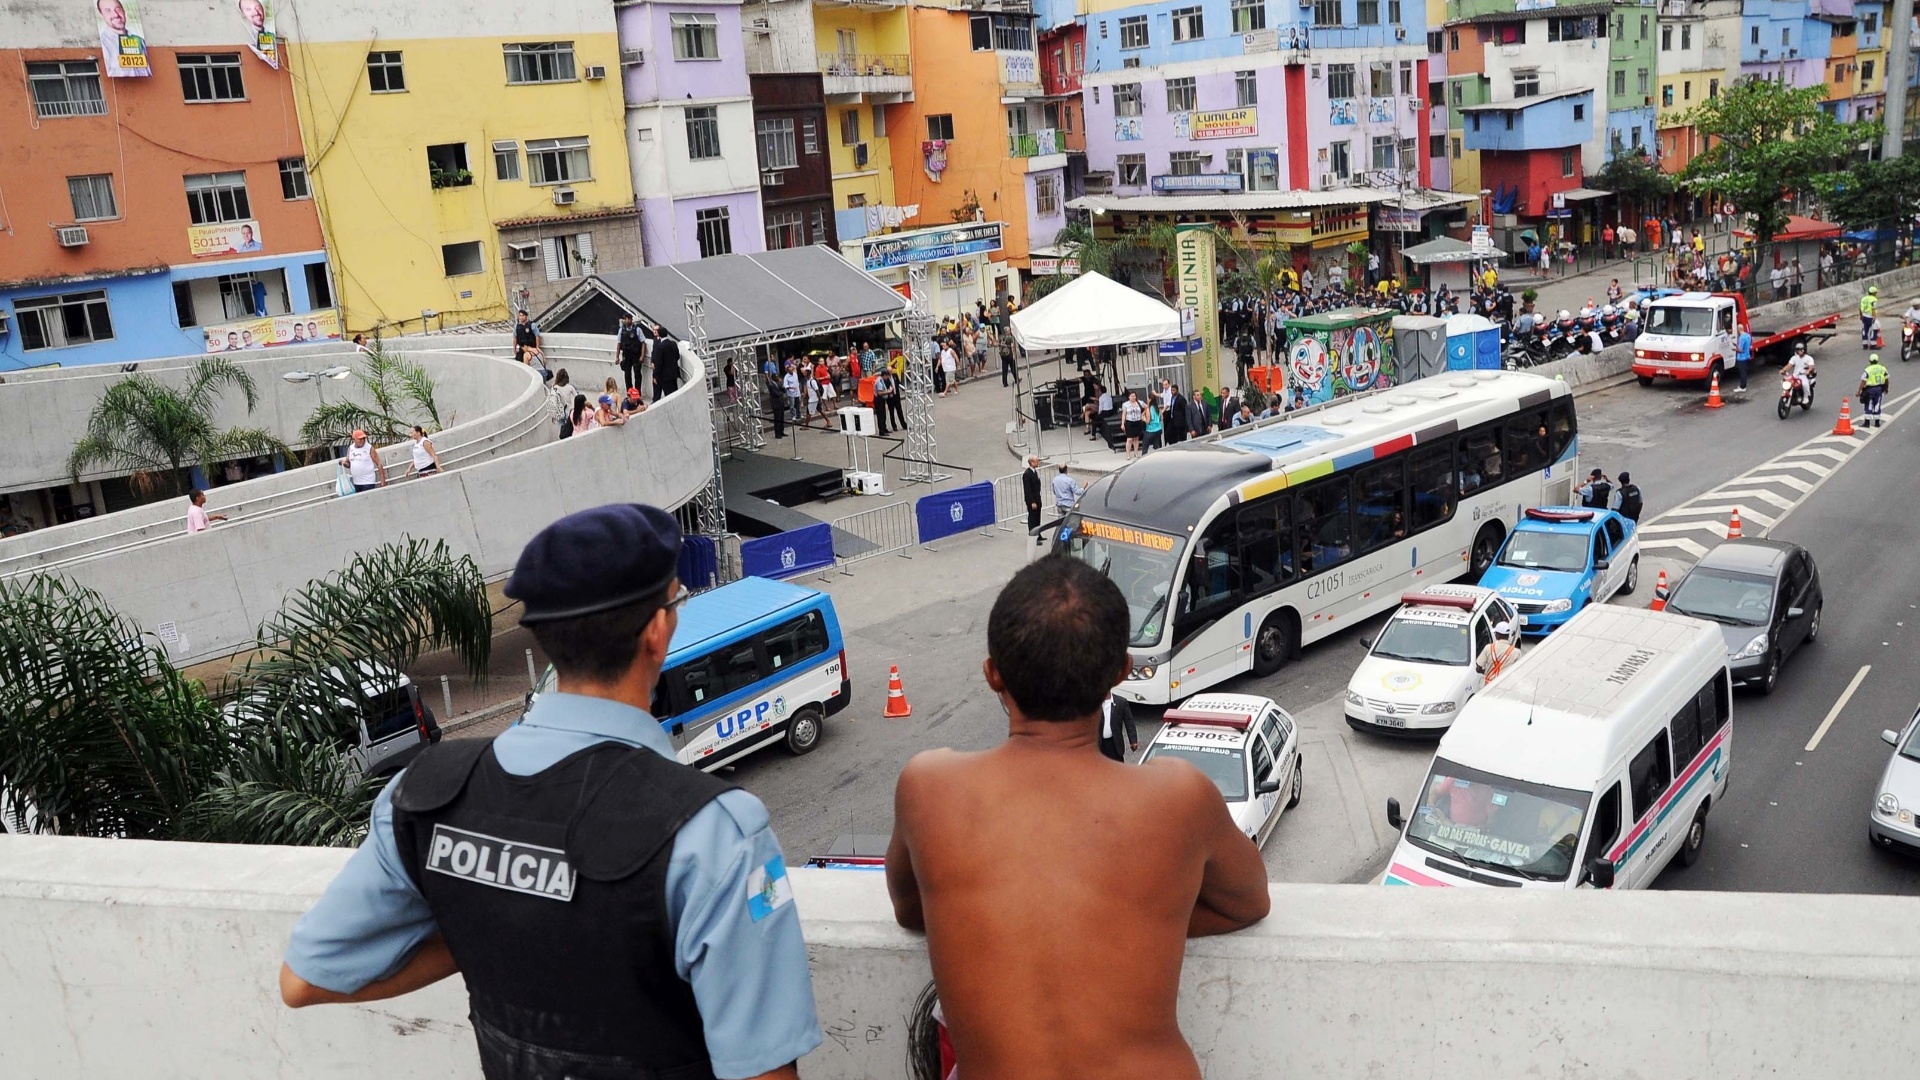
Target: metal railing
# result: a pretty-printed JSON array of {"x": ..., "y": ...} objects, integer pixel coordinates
[
  {"x": 1009, "y": 501},
  {"x": 53, "y": 110},
  {"x": 853, "y": 65},
  {"x": 1034, "y": 143},
  {"x": 885, "y": 529}
]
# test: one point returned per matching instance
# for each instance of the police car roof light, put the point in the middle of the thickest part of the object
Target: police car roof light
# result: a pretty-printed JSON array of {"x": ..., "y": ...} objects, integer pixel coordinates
[
  {"x": 1537, "y": 514},
  {"x": 1239, "y": 721},
  {"x": 1464, "y": 603}
]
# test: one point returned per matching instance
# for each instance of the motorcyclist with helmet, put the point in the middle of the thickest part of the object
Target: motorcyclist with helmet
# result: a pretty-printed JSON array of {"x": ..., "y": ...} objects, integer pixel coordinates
[
  {"x": 1800, "y": 368},
  {"x": 1910, "y": 330}
]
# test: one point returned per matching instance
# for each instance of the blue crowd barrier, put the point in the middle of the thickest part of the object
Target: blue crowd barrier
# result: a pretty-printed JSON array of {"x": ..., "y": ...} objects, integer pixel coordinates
[
  {"x": 955, "y": 511},
  {"x": 785, "y": 554}
]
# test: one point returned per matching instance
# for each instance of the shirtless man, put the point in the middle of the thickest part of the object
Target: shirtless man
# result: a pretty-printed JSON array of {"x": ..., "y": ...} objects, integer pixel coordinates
[{"x": 1057, "y": 888}]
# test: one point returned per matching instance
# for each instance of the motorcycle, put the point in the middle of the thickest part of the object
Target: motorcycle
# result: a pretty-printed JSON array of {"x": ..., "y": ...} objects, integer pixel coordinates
[
  {"x": 1793, "y": 392},
  {"x": 1908, "y": 342}
]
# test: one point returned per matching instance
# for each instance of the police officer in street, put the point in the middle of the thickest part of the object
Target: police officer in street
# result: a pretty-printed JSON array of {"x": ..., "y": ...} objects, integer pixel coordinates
[
  {"x": 1873, "y": 389},
  {"x": 616, "y": 915},
  {"x": 630, "y": 348}
]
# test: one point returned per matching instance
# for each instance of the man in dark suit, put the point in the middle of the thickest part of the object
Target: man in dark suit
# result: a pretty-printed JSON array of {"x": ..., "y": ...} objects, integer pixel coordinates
[
  {"x": 1116, "y": 716},
  {"x": 666, "y": 363},
  {"x": 1198, "y": 422},
  {"x": 1030, "y": 488}
]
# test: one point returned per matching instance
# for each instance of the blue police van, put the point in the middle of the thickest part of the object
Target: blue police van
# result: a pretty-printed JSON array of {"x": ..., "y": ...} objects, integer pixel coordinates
[
  {"x": 1559, "y": 559},
  {"x": 753, "y": 663}
]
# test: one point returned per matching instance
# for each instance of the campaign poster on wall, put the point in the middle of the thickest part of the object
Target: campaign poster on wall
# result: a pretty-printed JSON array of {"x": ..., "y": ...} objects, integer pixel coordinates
[
  {"x": 262, "y": 37},
  {"x": 269, "y": 330},
  {"x": 224, "y": 238},
  {"x": 123, "y": 41}
]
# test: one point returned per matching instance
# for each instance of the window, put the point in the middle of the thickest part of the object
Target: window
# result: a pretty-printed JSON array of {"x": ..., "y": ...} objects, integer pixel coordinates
[
  {"x": 447, "y": 165},
  {"x": 66, "y": 88},
  {"x": 1383, "y": 152},
  {"x": 1459, "y": 147},
  {"x": 786, "y": 229},
  {"x": 1526, "y": 83},
  {"x": 1380, "y": 514},
  {"x": 1380, "y": 79},
  {"x": 1264, "y": 172},
  {"x": 461, "y": 259},
  {"x": 810, "y": 135},
  {"x": 1643, "y": 29},
  {"x": 385, "y": 74},
  {"x": 1003, "y": 32},
  {"x": 1786, "y": 37},
  {"x": 1326, "y": 12},
  {"x": 1430, "y": 478},
  {"x": 775, "y": 137},
  {"x": 1248, "y": 15},
  {"x": 879, "y": 121},
  {"x": 1181, "y": 95},
  {"x": 1213, "y": 570},
  {"x": 1666, "y": 93},
  {"x": 715, "y": 231},
  {"x": 1871, "y": 23},
  {"x": 319, "y": 288},
  {"x": 567, "y": 256},
  {"x": 1188, "y": 24},
  {"x": 1325, "y": 532},
  {"x": 703, "y": 132},
  {"x": 1453, "y": 40},
  {"x": 1436, "y": 42},
  {"x": 1266, "y": 559},
  {"x": 1046, "y": 196},
  {"x": 1185, "y": 162},
  {"x": 1666, "y": 39},
  {"x": 1408, "y": 148},
  {"x": 183, "y": 304},
  {"x": 1132, "y": 169},
  {"x": 1262, "y": 760},
  {"x": 240, "y": 296},
  {"x": 1510, "y": 33},
  {"x": 714, "y": 676},
  {"x": 1606, "y": 824},
  {"x": 1367, "y": 12},
  {"x": 1050, "y": 116},
  {"x": 1753, "y": 36},
  {"x": 211, "y": 77},
  {"x": 559, "y": 161},
  {"x": 1866, "y": 72},
  {"x": 539, "y": 62},
  {"x": 849, "y": 127},
  {"x": 506, "y": 160},
  {"x": 819, "y": 226},
  {"x": 1713, "y": 89},
  {"x": 1237, "y": 164},
  {"x": 1686, "y": 35},
  {"x": 1480, "y": 459},
  {"x": 1649, "y": 774},
  {"x": 1340, "y": 159},
  {"x": 1459, "y": 88},
  {"x": 1406, "y": 78},
  {"x": 1620, "y": 81},
  {"x": 92, "y": 197},
  {"x": 940, "y": 126},
  {"x": 1246, "y": 89},
  {"x": 1133, "y": 32},
  {"x": 55, "y": 322},
  {"x": 1340, "y": 81},
  {"x": 1643, "y": 81},
  {"x": 793, "y": 642},
  {"x": 1126, "y": 99},
  {"x": 216, "y": 197},
  {"x": 1436, "y": 146},
  {"x": 1569, "y": 162},
  {"x": 1685, "y": 731},
  {"x": 1715, "y": 704},
  {"x": 695, "y": 36},
  {"x": 1636, "y": 141}
]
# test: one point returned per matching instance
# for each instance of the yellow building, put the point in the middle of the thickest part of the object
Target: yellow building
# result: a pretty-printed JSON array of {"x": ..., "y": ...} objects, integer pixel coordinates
[
  {"x": 865, "y": 65},
  {"x": 460, "y": 165}
]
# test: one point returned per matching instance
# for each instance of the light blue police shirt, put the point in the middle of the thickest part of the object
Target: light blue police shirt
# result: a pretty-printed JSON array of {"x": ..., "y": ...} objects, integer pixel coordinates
[{"x": 749, "y": 974}]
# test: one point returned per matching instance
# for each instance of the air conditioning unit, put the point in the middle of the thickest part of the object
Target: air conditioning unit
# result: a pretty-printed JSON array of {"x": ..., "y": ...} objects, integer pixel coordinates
[
  {"x": 563, "y": 196},
  {"x": 71, "y": 236},
  {"x": 775, "y": 178},
  {"x": 1329, "y": 181},
  {"x": 4, "y": 316},
  {"x": 1313, "y": 72},
  {"x": 632, "y": 58},
  {"x": 524, "y": 252},
  {"x": 1415, "y": 104},
  {"x": 1399, "y": 33},
  {"x": 596, "y": 71},
  {"x": 860, "y": 155}
]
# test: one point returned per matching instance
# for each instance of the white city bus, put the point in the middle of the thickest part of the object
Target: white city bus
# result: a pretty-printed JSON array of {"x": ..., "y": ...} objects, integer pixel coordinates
[{"x": 1236, "y": 549}]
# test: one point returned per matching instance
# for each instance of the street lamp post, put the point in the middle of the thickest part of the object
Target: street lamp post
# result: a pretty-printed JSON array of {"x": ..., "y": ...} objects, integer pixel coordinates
[{"x": 336, "y": 373}]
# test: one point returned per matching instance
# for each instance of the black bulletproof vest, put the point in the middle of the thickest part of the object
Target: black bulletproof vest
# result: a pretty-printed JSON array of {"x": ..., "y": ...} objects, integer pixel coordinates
[
  {"x": 1630, "y": 501},
  {"x": 550, "y": 891}
]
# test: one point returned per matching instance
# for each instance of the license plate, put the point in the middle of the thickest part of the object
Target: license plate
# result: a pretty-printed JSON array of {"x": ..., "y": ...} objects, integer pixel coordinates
[
  {"x": 1389, "y": 721},
  {"x": 1663, "y": 371}
]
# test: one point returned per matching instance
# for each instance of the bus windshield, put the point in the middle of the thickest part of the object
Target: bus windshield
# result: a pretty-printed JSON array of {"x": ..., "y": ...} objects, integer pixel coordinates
[
  {"x": 1421, "y": 642},
  {"x": 1139, "y": 561},
  {"x": 1226, "y": 768},
  {"x": 1512, "y": 826},
  {"x": 1679, "y": 321},
  {"x": 1532, "y": 549}
]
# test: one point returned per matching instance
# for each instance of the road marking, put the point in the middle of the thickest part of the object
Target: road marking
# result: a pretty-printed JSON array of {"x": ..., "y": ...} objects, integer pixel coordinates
[
  {"x": 1820, "y": 472},
  {"x": 1697, "y": 551},
  {"x": 1793, "y": 482},
  {"x": 1754, "y": 493},
  {"x": 1810, "y": 451},
  {"x": 1821, "y": 732}
]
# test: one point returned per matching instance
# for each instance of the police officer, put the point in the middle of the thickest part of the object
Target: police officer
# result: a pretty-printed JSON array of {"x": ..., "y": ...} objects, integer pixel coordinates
[
  {"x": 525, "y": 336},
  {"x": 1596, "y": 491},
  {"x": 1627, "y": 498},
  {"x": 616, "y": 915},
  {"x": 630, "y": 347},
  {"x": 1873, "y": 389},
  {"x": 1869, "y": 307}
]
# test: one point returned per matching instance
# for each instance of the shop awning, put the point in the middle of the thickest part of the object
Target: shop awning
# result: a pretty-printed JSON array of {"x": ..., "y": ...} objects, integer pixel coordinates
[
  {"x": 1226, "y": 202},
  {"x": 1799, "y": 228},
  {"x": 1094, "y": 310},
  {"x": 750, "y": 300},
  {"x": 1582, "y": 194},
  {"x": 1443, "y": 250},
  {"x": 1428, "y": 200}
]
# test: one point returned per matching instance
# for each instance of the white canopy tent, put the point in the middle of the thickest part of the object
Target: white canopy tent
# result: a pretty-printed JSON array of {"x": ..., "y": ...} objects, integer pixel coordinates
[{"x": 1094, "y": 310}]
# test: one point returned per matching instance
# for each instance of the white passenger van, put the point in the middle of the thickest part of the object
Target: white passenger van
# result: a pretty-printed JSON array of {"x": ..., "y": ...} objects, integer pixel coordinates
[{"x": 1592, "y": 762}]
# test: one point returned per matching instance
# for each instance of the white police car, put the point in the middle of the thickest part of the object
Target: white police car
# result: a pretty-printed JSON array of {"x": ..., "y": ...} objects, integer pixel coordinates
[
  {"x": 1436, "y": 651},
  {"x": 1561, "y": 558},
  {"x": 1247, "y": 745}
]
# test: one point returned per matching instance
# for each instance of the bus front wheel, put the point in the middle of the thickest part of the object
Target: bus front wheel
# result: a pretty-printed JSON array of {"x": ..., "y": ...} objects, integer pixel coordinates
[
  {"x": 1486, "y": 545},
  {"x": 803, "y": 734},
  {"x": 1275, "y": 644}
]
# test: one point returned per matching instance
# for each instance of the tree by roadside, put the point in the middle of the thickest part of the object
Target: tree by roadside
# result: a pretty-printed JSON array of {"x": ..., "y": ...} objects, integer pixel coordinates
[
  {"x": 157, "y": 432},
  {"x": 1635, "y": 181},
  {"x": 402, "y": 394},
  {"x": 1873, "y": 191}
]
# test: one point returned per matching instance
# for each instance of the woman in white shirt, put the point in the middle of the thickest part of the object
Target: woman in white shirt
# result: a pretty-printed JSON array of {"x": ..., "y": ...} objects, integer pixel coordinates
[{"x": 426, "y": 460}]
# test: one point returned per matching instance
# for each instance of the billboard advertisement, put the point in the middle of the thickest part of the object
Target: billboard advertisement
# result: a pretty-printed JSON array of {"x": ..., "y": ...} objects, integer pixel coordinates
[
  {"x": 224, "y": 238},
  {"x": 262, "y": 38},
  {"x": 270, "y": 330},
  {"x": 1225, "y": 123},
  {"x": 123, "y": 41}
]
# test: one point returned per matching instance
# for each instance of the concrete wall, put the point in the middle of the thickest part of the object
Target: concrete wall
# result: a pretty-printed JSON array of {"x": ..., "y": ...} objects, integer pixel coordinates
[
  {"x": 508, "y": 476},
  {"x": 158, "y": 960}
]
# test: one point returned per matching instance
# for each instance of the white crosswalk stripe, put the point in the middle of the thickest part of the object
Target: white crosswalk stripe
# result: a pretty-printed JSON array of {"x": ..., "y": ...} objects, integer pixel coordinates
[
  {"x": 1749, "y": 493},
  {"x": 1794, "y": 482},
  {"x": 1810, "y": 451}
]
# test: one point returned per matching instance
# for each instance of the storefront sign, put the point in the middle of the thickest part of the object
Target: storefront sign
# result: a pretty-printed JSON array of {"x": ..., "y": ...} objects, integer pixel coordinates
[
  {"x": 957, "y": 275},
  {"x": 123, "y": 41},
  {"x": 224, "y": 238},
  {"x": 1225, "y": 123},
  {"x": 270, "y": 330},
  {"x": 930, "y": 245},
  {"x": 1194, "y": 270},
  {"x": 1389, "y": 220},
  {"x": 1483, "y": 242},
  {"x": 1259, "y": 41},
  {"x": 1054, "y": 267},
  {"x": 1200, "y": 182}
]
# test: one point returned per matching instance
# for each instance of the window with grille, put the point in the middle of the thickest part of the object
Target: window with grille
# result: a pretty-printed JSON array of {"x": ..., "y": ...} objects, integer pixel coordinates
[
  {"x": 1436, "y": 146},
  {"x": 1340, "y": 78},
  {"x": 1046, "y": 196},
  {"x": 695, "y": 36},
  {"x": 1181, "y": 95},
  {"x": 775, "y": 137},
  {"x": 703, "y": 132},
  {"x": 1642, "y": 73},
  {"x": 786, "y": 229},
  {"x": 55, "y": 322},
  {"x": 1188, "y": 24},
  {"x": 1186, "y": 162},
  {"x": 1132, "y": 169},
  {"x": 1248, "y": 15},
  {"x": 385, "y": 74},
  {"x": 1569, "y": 161},
  {"x": 293, "y": 179},
  {"x": 1620, "y": 81},
  {"x": 506, "y": 160},
  {"x": 540, "y": 62},
  {"x": 1383, "y": 152},
  {"x": 819, "y": 218},
  {"x": 92, "y": 197},
  {"x": 1326, "y": 12},
  {"x": 1126, "y": 99},
  {"x": 238, "y": 298},
  {"x": 810, "y": 135},
  {"x": 940, "y": 126},
  {"x": 1246, "y": 90},
  {"x": 1408, "y": 148},
  {"x": 1526, "y": 84},
  {"x": 66, "y": 88},
  {"x": 1133, "y": 32},
  {"x": 211, "y": 77},
  {"x": 217, "y": 197},
  {"x": 559, "y": 161},
  {"x": 714, "y": 231}
]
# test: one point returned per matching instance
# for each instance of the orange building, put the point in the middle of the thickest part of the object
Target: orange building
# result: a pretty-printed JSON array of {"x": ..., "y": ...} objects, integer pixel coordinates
[{"x": 145, "y": 215}]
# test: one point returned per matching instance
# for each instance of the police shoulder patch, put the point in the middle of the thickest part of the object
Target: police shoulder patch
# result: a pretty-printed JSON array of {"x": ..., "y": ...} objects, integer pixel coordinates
[{"x": 768, "y": 889}]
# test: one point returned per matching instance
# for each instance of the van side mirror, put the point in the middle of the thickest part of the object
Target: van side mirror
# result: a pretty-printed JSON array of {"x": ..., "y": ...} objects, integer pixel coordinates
[
  {"x": 1394, "y": 817},
  {"x": 1890, "y": 737},
  {"x": 1600, "y": 873},
  {"x": 1602, "y": 563},
  {"x": 1366, "y": 643},
  {"x": 1267, "y": 787},
  {"x": 1796, "y": 612}
]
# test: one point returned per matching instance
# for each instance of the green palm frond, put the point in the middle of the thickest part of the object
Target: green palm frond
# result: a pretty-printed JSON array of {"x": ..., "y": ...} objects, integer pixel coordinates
[
  {"x": 211, "y": 375},
  {"x": 239, "y": 443},
  {"x": 284, "y": 789},
  {"x": 335, "y": 422},
  {"x": 419, "y": 389}
]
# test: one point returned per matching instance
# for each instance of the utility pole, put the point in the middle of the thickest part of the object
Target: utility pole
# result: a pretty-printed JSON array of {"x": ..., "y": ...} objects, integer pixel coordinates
[{"x": 1899, "y": 64}]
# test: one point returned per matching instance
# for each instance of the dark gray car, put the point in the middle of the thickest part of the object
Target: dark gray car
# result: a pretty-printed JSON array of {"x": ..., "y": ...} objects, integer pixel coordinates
[{"x": 1765, "y": 594}]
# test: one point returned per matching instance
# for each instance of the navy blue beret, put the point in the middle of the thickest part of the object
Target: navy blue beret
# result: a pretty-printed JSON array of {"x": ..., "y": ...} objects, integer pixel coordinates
[{"x": 595, "y": 561}]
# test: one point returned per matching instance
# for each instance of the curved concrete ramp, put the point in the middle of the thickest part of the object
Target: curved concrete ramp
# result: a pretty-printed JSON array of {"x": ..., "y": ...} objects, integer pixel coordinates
[{"x": 508, "y": 474}]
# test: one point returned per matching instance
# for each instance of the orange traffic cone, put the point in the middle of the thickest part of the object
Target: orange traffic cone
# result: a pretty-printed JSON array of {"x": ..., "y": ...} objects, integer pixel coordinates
[
  {"x": 1845, "y": 426},
  {"x": 1713, "y": 393},
  {"x": 897, "y": 705},
  {"x": 1660, "y": 592},
  {"x": 1879, "y": 342},
  {"x": 1733, "y": 526}
]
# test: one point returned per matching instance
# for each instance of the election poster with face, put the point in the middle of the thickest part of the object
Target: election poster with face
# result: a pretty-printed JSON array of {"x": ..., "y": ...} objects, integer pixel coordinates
[
  {"x": 123, "y": 41},
  {"x": 261, "y": 36}
]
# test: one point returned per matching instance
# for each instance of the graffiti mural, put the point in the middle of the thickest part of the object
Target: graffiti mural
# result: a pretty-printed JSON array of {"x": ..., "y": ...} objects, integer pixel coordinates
[{"x": 1338, "y": 353}]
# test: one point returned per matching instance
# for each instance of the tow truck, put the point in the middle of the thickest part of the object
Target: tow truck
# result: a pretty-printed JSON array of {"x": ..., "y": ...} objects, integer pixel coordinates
[{"x": 1693, "y": 335}]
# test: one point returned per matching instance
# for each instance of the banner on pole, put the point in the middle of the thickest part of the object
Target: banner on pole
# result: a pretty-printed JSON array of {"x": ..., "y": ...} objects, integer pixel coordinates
[{"x": 1195, "y": 275}]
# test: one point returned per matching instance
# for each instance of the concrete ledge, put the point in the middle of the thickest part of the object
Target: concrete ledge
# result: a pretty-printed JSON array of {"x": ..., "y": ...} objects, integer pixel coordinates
[{"x": 157, "y": 960}]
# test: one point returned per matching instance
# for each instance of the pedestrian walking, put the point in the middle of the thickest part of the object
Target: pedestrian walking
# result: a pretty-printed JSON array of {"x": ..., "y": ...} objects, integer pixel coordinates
[
  {"x": 1198, "y": 422},
  {"x": 1117, "y": 734},
  {"x": 943, "y": 374},
  {"x": 1030, "y": 491},
  {"x": 1627, "y": 499},
  {"x": 1066, "y": 492},
  {"x": 364, "y": 469},
  {"x": 1873, "y": 388},
  {"x": 777, "y": 401},
  {"x": 1156, "y": 425},
  {"x": 666, "y": 363},
  {"x": 1742, "y": 356},
  {"x": 1133, "y": 419},
  {"x": 426, "y": 460},
  {"x": 630, "y": 349},
  {"x": 790, "y": 385},
  {"x": 1596, "y": 491},
  {"x": 1008, "y": 368},
  {"x": 198, "y": 520}
]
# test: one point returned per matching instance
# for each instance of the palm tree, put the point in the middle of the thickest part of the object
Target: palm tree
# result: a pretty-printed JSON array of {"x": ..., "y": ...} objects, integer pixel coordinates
[
  {"x": 388, "y": 379},
  {"x": 156, "y": 432}
]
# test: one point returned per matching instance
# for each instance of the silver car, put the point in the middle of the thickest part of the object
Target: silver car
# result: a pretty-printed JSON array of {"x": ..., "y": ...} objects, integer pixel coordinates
[{"x": 1894, "y": 822}]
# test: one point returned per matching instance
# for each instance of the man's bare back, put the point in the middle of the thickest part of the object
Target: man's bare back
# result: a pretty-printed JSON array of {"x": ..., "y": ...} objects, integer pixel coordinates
[{"x": 1057, "y": 890}]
